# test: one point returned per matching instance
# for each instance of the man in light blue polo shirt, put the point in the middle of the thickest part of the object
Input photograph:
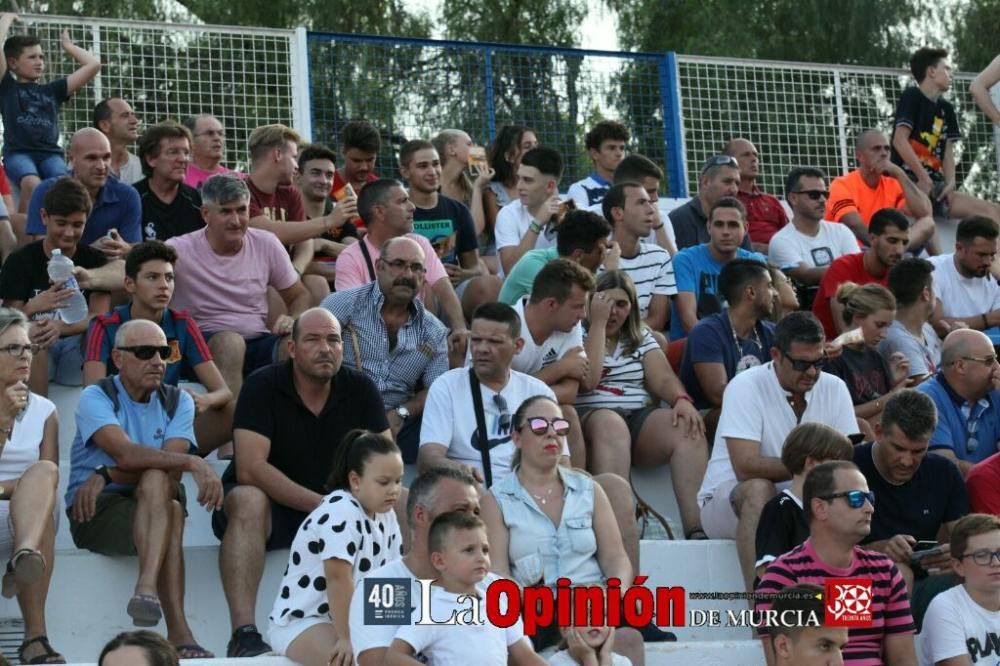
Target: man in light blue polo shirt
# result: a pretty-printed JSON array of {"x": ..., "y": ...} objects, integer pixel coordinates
[
  {"x": 116, "y": 205},
  {"x": 966, "y": 396},
  {"x": 134, "y": 438}
]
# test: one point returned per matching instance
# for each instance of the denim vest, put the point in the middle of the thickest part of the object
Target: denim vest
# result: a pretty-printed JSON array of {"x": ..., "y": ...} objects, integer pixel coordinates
[{"x": 538, "y": 549}]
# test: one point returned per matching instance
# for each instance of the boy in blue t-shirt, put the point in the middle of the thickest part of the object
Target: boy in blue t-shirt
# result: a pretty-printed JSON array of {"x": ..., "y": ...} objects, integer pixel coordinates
[{"x": 30, "y": 109}]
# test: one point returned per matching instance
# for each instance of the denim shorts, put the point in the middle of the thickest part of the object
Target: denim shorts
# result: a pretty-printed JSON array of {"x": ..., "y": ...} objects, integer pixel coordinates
[{"x": 33, "y": 163}]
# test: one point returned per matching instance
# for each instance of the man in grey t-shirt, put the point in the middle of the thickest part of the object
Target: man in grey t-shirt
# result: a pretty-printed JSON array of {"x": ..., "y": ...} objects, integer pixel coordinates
[{"x": 911, "y": 282}]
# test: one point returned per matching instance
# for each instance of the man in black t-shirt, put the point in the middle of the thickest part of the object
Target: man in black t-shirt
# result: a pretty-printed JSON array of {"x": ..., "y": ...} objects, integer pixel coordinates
[
  {"x": 923, "y": 142},
  {"x": 25, "y": 285},
  {"x": 169, "y": 207},
  {"x": 317, "y": 170},
  {"x": 448, "y": 225},
  {"x": 918, "y": 497},
  {"x": 290, "y": 419}
]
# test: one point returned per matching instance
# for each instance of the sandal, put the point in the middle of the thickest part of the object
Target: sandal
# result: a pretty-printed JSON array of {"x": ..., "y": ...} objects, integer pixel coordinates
[
  {"x": 144, "y": 609},
  {"x": 193, "y": 651},
  {"x": 696, "y": 534},
  {"x": 23, "y": 569},
  {"x": 49, "y": 656}
]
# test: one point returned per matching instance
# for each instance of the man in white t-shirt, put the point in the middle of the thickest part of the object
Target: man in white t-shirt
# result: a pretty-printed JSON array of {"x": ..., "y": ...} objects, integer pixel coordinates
[
  {"x": 962, "y": 624},
  {"x": 553, "y": 339},
  {"x": 805, "y": 248},
  {"x": 530, "y": 222},
  {"x": 760, "y": 406},
  {"x": 449, "y": 434},
  {"x": 965, "y": 289},
  {"x": 632, "y": 215}
]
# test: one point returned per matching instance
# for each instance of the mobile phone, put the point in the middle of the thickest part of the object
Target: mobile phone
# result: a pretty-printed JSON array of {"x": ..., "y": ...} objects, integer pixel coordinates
[
  {"x": 925, "y": 545},
  {"x": 113, "y": 234}
]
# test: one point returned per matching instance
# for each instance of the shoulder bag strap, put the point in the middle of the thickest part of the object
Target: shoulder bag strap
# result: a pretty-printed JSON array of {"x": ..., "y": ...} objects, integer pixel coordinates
[
  {"x": 484, "y": 439},
  {"x": 368, "y": 259}
]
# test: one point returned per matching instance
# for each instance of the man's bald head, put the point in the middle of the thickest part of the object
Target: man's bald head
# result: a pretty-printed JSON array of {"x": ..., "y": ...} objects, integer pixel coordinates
[
  {"x": 311, "y": 318},
  {"x": 139, "y": 332},
  {"x": 962, "y": 343},
  {"x": 400, "y": 244},
  {"x": 89, "y": 157}
]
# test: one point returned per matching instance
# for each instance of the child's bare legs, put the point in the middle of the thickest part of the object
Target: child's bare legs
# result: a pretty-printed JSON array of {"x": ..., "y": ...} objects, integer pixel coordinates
[{"x": 28, "y": 185}]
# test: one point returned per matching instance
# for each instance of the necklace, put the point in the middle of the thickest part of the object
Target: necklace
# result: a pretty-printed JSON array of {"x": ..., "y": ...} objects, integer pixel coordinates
[
  {"x": 736, "y": 340},
  {"x": 544, "y": 498}
]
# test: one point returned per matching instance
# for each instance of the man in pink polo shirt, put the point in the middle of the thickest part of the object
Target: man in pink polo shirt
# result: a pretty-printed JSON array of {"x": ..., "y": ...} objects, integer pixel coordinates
[
  {"x": 222, "y": 275},
  {"x": 386, "y": 209}
]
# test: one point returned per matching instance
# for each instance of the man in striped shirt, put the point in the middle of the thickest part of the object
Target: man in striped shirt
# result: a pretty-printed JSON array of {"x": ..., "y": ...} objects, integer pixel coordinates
[
  {"x": 391, "y": 337},
  {"x": 633, "y": 217},
  {"x": 839, "y": 509}
]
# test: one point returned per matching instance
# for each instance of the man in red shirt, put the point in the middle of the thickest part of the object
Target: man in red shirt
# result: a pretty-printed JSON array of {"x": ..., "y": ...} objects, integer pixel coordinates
[
  {"x": 765, "y": 215},
  {"x": 889, "y": 233}
]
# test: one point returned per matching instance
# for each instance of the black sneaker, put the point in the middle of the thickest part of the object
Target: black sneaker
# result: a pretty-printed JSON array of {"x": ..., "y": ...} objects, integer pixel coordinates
[
  {"x": 247, "y": 642},
  {"x": 653, "y": 634}
]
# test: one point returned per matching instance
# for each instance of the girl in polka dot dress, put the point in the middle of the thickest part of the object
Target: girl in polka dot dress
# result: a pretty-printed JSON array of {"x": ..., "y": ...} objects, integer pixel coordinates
[{"x": 351, "y": 532}]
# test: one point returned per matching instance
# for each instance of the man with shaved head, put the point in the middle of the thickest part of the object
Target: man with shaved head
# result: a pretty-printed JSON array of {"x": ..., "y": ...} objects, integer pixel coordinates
[
  {"x": 134, "y": 439},
  {"x": 116, "y": 205},
  {"x": 765, "y": 216},
  {"x": 392, "y": 337},
  {"x": 968, "y": 402},
  {"x": 878, "y": 183},
  {"x": 290, "y": 419}
]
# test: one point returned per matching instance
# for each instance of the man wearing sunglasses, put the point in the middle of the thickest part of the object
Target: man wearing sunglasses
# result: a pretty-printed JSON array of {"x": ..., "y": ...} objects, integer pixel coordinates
[
  {"x": 760, "y": 407},
  {"x": 889, "y": 234},
  {"x": 805, "y": 248},
  {"x": 134, "y": 439},
  {"x": 838, "y": 507},
  {"x": 968, "y": 403},
  {"x": 720, "y": 177},
  {"x": 918, "y": 497},
  {"x": 962, "y": 623},
  {"x": 877, "y": 183},
  {"x": 765, "y": 214}
]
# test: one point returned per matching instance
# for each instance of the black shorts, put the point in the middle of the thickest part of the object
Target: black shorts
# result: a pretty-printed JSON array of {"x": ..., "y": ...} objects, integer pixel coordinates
[{"x": 285, "y": 523}]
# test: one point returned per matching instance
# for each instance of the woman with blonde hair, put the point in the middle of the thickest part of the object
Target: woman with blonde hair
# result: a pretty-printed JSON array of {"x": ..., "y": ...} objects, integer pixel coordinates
[{"x": 868, "y": 313}]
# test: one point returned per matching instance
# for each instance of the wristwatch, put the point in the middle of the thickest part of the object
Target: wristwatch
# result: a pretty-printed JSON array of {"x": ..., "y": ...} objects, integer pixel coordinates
[
  {"x": 105, "y": 472},
  {"x": 402, "y": 412}
]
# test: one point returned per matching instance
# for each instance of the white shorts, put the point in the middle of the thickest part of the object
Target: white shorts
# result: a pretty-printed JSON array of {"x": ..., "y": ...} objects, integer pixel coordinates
[
  {"x": 280, "y": 637},
  {"x": 718, "y": 518}
]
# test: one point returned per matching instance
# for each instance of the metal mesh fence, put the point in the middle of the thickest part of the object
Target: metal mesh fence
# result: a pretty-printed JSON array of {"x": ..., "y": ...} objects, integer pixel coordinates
[
  {"x": 413, "y": 89},
  {"x": 809, "y": 115},
  {"x": 243, "y": 76}
]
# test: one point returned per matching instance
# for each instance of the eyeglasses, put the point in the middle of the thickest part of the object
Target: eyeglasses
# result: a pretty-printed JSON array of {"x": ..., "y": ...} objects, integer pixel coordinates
[
  {"x": 17, "y": 351},
  {"x": 984, "y": 557},
  {"x": 815, "y": 195},
  {"x": 985, "y": 360},
  {"x": 802, "y": 365},
  {"x": 855, "y": 498},
  {"x": 146, "y": 352},
  {"x": 504, "y": 424},
  {"x": 400, "y": 265},
  {"x": 719, "y": 160},
  {"x": 540, "y": 425}
]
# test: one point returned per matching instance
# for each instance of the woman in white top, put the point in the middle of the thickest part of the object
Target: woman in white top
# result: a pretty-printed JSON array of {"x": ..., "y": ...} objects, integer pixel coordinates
[
  {"x": 621, "y": 401},
  {"x": 29, "y": 476}
]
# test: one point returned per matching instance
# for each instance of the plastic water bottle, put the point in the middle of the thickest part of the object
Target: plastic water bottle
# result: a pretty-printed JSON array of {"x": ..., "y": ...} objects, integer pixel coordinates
[{"x": 60, "y": 270}]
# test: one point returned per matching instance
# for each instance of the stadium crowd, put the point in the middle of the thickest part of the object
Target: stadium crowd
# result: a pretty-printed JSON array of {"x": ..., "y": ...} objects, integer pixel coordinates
[{"x": 817, "y": 371}]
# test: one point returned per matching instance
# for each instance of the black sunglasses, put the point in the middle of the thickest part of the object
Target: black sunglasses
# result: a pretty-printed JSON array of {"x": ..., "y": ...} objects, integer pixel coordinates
[
  {"x": 505, "y": 421},
  {"x": 855, "y": 498},
  {"x": 815, "y": 195},
  {"x": 801, "y": 365},
  {"x": 146, "y": 352}
]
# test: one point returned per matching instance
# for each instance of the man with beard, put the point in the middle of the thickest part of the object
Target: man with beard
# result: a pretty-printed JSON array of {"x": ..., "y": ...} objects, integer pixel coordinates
[
  {"x": 889, "y": 233},
  {"x": 965, "y": 289},
  {"x": 447, "y": 224},
  {"x": 393, "y": 339},
  {"x": 290, "y": 419},
  {"x": 839, "y": 507}
]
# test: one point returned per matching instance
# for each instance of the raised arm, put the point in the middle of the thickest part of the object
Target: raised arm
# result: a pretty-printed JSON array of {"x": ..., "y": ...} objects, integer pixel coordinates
[
  {"x": 89, "y": 64},
  {"x": 6, "y": 20},
  {"x": 980, "y": 89}
]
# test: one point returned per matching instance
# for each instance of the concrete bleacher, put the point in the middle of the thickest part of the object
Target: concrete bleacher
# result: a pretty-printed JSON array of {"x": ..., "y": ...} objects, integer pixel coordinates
[{"x": 89, "y": 592}]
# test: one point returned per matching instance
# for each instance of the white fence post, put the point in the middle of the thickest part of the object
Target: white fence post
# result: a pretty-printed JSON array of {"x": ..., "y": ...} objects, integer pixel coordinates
[{"x": 298, "y": 53}]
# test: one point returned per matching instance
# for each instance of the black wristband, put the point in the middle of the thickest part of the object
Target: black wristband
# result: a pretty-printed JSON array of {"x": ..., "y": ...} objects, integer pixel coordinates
[{"x": 105, "y": 472}]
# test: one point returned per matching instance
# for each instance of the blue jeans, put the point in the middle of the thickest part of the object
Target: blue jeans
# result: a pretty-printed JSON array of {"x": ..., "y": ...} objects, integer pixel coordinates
[{"x": 43, "y": 165}]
